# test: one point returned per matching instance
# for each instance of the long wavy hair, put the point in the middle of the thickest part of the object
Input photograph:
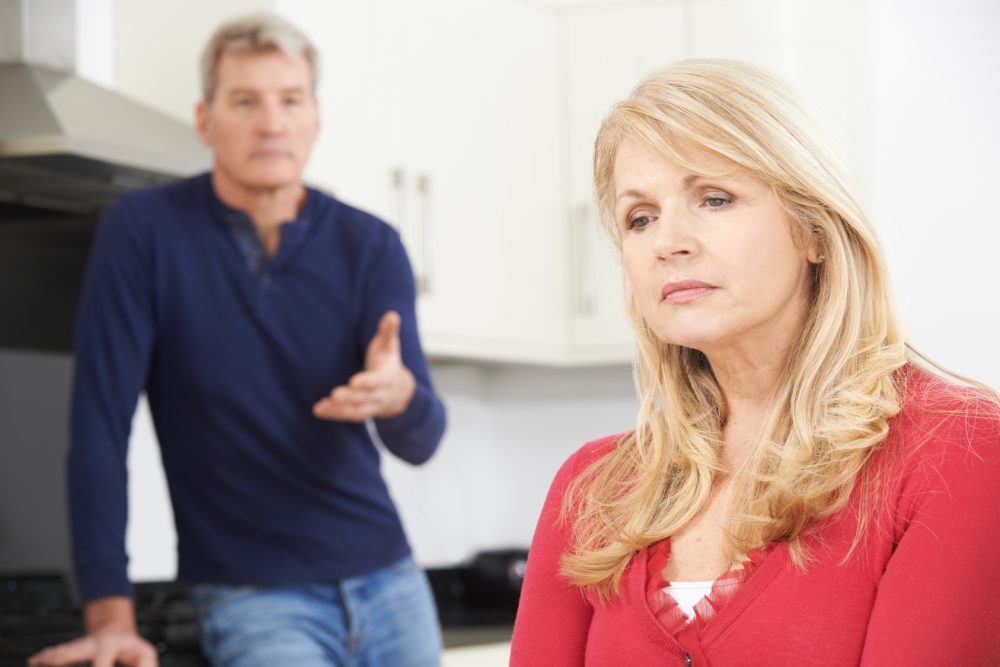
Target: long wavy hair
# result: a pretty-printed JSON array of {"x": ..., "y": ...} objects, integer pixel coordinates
[{"x": 839, "y": 388}]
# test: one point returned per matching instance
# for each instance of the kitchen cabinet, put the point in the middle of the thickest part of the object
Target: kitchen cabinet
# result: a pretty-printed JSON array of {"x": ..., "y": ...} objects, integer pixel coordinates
[
  {"x": 474, "y": 162},
  {"x": 347, "y": 157},
  {"x": 818, "y": 47},
  {"x": 607, "y": 50},
  {"x": 469, "y": 124},
  {"x": 454, "y": 111},
  {"x": 460, "y": 114}
]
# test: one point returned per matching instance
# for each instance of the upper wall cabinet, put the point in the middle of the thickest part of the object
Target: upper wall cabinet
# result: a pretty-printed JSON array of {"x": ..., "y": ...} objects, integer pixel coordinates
[
  {"x": 469, "y": 124},
  {"x": 475, "y": 167},
  {"x": 606, "y": 50},
  {"x": 458, "y": 141},
  {"x": 818, "y": 47}
]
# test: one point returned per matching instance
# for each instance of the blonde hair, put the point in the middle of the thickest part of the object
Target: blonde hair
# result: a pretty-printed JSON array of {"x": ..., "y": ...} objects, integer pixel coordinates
[
  {"x": 838, "y": 391},
  {"x": 255, "y": 33}
]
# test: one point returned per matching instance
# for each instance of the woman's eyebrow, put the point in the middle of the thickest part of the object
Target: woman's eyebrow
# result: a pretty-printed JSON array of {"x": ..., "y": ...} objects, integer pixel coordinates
[
  {"x": 686, "y": 182},
  {"x": 634, "y": 194}
]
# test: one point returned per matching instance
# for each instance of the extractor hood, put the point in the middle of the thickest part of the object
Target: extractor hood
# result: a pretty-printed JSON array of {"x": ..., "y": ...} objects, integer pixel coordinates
[{"x": 71, "y": 145}]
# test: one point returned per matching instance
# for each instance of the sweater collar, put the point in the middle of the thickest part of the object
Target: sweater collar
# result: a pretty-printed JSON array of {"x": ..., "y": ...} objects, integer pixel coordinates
[{"x": 229, "y": 216}]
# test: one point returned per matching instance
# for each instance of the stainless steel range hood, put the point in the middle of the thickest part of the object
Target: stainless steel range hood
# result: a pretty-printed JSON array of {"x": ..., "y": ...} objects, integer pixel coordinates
[{"x": 69, "y": 144}]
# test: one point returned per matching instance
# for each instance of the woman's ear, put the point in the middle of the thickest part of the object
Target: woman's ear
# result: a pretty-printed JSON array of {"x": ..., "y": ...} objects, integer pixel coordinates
[{"x": 814, "y": 246}]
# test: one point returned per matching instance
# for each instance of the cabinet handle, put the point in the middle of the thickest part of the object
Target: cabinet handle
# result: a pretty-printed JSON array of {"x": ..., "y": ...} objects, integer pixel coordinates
[
  {"x": 424, "y": 282},
  {"x": 584, "y": 277},
  {"x": 397, "y": 185}
]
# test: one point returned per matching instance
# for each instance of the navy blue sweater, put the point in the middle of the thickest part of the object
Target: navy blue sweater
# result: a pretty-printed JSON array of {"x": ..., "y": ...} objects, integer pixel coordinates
[{"x": 232, "y": 359}]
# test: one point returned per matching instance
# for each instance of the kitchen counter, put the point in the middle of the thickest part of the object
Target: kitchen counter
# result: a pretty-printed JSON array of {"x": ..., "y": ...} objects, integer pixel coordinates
[
  {"x": 459, "y": 637},
  {"x": 37, "y": 610},
  {"x": 481, "y": 655}
]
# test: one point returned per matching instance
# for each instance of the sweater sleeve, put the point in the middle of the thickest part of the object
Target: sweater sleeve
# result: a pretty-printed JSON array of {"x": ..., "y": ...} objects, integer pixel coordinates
[
  {"x": 113, "y": 339},
  {"x": 553, "y": 616},
  {"x": 413, "y": 435},
  {"x": 937, "y": 598}
]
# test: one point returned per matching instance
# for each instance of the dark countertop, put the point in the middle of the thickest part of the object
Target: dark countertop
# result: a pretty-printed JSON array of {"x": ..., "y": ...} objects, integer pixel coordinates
[
  {"x": 471, "y": 636},
  {"x": 37, "y": 610},
  {"x": 472, "y": 611}
]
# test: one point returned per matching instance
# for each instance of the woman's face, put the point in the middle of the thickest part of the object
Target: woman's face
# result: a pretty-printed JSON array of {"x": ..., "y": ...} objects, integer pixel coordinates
[{"x": 712, "y": 261}]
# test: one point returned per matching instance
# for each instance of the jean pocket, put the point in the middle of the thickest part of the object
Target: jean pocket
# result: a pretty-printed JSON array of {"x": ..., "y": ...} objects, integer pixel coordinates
[{"x": 208, "y": 598}]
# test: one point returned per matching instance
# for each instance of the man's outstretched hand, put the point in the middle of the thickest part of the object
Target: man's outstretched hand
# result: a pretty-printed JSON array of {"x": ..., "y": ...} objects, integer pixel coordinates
[{"x": 383, "y": 389}]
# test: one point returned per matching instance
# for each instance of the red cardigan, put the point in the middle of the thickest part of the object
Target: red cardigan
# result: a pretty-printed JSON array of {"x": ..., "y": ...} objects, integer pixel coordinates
[{"x": 922, "y": 589}]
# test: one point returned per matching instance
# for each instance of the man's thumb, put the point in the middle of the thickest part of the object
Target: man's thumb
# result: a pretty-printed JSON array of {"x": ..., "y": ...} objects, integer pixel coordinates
[{"x": 387, "y": 335}]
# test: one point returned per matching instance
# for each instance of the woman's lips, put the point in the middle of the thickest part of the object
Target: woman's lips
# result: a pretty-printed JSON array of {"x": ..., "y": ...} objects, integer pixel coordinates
[{"x": 685, "y": 291}]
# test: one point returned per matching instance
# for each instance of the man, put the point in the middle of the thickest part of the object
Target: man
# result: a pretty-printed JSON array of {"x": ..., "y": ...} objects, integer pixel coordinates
[{"x": 237, "y": 299}]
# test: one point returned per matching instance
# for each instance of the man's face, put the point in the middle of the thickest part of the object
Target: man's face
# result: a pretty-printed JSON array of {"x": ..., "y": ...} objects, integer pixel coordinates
[{"x": 262, "y": 120}]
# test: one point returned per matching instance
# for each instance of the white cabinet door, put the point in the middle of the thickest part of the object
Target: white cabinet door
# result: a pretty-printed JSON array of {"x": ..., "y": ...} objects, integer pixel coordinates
[
  {"x": 475, "y": 88},
  {"x": 442, "y": 117},
  {"x": 347, "y": 159},
  {"x": 819, "y": 48},
  {"x": 608, "y": 50}
]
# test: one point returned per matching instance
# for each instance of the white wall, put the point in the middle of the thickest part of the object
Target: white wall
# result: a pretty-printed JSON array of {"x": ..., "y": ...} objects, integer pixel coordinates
[
  {"x": 158, "y": 44},
  {"x": 510, "y": 428},
  {"x": 936, "y": 101}
]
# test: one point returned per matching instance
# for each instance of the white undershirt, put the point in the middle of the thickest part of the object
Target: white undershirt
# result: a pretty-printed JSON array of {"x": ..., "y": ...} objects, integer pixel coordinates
[{"x": 688, "y": 593}]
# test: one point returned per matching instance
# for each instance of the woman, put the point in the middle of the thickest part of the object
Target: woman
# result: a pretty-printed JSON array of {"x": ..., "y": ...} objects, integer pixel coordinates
[{"x": 797, "y": 490}]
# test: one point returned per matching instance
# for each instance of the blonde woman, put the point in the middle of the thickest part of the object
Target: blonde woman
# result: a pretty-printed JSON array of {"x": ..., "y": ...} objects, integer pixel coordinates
[{"x": 798, "y": 489}]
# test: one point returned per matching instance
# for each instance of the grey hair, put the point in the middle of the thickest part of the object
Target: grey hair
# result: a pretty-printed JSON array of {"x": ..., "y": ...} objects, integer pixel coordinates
[{"x": 255, "y": 33}]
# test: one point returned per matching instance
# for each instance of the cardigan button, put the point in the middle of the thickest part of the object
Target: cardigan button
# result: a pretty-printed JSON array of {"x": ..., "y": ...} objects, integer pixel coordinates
[{"x": 687, "y": 660}]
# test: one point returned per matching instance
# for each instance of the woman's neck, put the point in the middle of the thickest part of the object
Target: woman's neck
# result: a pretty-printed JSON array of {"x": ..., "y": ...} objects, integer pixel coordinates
[{"x": 748, "y": 388}]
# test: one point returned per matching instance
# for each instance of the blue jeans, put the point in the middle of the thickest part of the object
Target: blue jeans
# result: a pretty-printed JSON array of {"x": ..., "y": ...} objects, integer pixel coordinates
[{"x": 383, "y": 619}]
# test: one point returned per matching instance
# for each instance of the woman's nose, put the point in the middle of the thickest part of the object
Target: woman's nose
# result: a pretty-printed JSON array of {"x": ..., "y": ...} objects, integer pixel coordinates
[{"x": 674, "y": 236}]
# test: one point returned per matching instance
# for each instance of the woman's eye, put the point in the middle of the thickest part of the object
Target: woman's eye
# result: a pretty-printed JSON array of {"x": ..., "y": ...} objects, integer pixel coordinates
[
  {"x": 638, "y": 222},
  {"x": 716, "y": 202}
]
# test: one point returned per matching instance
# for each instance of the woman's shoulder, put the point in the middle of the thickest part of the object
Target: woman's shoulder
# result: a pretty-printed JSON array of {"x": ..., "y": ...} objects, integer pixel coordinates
[
  {"x": 937, "y": 478},
  {"x": 933, "y": 409},
  {"x": 944, "y": 431},
  {"x": 590, "y": 452},
  {"x": 581, "y": 460},
  {"x": 597, "y": 448}
]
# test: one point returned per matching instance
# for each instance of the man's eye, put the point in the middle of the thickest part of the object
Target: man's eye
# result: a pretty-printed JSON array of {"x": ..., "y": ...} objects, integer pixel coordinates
[
  {"x": 243, "y": 102},
  {"x": 638, "y": 222},
  {"x": 293, "y": 101}
]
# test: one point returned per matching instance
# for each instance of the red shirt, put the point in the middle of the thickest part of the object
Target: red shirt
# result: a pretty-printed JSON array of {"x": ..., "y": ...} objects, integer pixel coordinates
[{"x": 923, "y": 587}]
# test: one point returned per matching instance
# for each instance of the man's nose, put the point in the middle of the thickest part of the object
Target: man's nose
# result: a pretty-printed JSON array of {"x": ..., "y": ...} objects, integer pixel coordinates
[{"x": 271, "y": 119}]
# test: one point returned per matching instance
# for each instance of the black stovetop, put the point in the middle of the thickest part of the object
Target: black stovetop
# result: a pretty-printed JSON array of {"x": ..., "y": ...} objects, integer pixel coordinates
[{"x": 37, "y": 610}]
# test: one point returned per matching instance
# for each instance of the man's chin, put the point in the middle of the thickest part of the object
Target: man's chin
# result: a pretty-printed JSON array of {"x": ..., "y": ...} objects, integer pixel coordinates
[{"x": 271, "y": 181}]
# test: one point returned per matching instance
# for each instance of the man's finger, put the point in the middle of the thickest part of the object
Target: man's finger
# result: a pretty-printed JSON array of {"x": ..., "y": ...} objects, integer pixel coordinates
[
  {"x": 347, "y": 406},
  {"x": 352, "y": 398},
  {"x": 74, "y": 651},
  {"x": 77, "y": 650},
  {"x": 105, "y": 656},
  {"x": 387, "y": 336},
  {"x": 327, "y": 409},
  {"x": 147, "y": 657},
  {"x": 367, "y": 380}
]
